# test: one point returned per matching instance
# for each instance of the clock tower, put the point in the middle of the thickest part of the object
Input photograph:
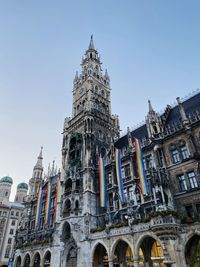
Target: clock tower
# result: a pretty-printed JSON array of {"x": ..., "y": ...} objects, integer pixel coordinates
[{"x": 86, "y": 135}]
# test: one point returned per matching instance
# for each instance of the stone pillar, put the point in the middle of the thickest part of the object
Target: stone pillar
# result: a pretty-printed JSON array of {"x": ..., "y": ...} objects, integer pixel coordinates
[
  {"x": 154, "y": 195},
  {"x": 162, "y": 194},
  {"x": 110, "y": 263}
]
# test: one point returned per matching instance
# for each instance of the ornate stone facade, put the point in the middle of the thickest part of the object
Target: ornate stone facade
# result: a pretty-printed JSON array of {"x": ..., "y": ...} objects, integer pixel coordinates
[{"x": 160, "y": 228}]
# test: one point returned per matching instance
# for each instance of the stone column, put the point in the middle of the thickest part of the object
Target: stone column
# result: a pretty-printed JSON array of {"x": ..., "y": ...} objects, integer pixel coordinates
[
  {"x": 110, "y": 263},
  {"x": 162, "y": 194}
]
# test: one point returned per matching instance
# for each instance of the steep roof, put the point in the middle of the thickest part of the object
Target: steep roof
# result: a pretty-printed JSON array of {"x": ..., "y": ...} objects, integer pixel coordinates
[{"x": 190, "y": 105}]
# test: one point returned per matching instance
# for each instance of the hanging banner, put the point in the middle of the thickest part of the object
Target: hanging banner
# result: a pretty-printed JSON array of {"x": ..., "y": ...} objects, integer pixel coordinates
[
  {"x": 119, "y": 175},
  {"x": 102, "y": 183},
  {"x": 141, "y": 169}
]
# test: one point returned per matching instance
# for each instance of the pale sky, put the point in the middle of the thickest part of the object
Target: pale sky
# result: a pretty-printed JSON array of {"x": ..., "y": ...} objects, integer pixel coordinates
[{"x": 150, "y": 48}]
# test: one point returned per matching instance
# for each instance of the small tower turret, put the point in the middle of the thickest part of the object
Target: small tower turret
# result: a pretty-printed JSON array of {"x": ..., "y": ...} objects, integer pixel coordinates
[
  {"x": 5, "y": 188},
  {"x": 153, "y": 122},
  {"x": 21, "y": 193},
  {"x": 36, "y": 179}
]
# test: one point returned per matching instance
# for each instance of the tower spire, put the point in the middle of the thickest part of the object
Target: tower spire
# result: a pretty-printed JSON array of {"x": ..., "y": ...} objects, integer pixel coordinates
[
  {"x": 91, "y": 45},
  {"x": 38, "y": 168},
  {"x": 150, "y": 106},
  {"x": 36, "y": 179},
  {"x": 39, "y": 159}
]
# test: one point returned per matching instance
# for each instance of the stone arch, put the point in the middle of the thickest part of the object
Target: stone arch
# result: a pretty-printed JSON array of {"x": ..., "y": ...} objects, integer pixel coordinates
[
  {"x": 100, "y": 255},
  {"x": 122, "y": 253},
  {"x": 27, "y": 260},
  {"x": 150, "y": 250},
  {"x": 68, "y": 185},
  {"x": 192, "y": 250},
  {"x": 18, "y": 261},
  {"x": 36, "y": 259},
  {"x": 46, "y": 261}
]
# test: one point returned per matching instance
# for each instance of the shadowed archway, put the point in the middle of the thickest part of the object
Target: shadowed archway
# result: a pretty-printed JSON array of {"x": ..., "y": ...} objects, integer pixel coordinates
[
  {"x": 192, "y": 251},
  {"x": 27, "y": 261},
  {"x": 100, "y": 257},
  {"x": 123, "y": 256},
  {"x": 151, "y": 253}
]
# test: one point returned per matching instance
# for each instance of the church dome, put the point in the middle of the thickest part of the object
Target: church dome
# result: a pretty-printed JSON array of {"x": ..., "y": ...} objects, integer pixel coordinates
[
  {"x": 22, "y": 186},
  {"x": 6, "y": 179}
]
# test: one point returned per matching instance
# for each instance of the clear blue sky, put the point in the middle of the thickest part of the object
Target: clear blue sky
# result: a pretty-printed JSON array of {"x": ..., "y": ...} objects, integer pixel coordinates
[{"x": 150, "y": 48}]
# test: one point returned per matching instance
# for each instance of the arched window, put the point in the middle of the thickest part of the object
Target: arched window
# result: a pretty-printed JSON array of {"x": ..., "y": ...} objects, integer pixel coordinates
[
  {"x": 184, "y": 150},
  {"x": 67, "y": 208},
  {"x": 97, "y": 104},
  {"x": 66, "y": 232},
  {"x": 68, "y": 185},
  {"x": 47, "y": 259},
  {"x": 174, "y": 154},
  {"x": 103, "y": 108}
]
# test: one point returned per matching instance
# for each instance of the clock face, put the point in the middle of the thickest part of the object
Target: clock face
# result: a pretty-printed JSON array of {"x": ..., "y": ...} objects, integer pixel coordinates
[{"x": 81, "y": 90}]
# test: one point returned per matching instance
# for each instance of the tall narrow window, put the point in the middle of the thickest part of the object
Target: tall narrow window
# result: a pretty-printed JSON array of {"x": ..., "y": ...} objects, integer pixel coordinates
[
  {"x": 192, "y": 179},
  {"x": 175, "y": 155},
  {"x": 182, "y": 182},
  {"x": 184, "y": 152}
]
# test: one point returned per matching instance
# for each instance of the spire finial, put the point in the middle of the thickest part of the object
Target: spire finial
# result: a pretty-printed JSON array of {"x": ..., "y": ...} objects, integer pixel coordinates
[
  {"x": 91, "y": 45},
  {"x": 150, "y": 106}
]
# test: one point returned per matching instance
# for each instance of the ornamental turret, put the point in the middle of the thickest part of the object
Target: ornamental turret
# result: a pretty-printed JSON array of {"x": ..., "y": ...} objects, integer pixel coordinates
[
  {"x": 5, "y": 188},
  {"x": 36, "y": 179},
  {"x": 153, "y": 122},
  {"x": 21, "y": 193}
]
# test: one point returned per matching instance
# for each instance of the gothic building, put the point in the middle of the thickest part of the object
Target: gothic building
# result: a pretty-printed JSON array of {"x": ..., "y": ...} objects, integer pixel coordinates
[
  {"x": 34, "y": 238},
  {"x": 157, "y": 228}
]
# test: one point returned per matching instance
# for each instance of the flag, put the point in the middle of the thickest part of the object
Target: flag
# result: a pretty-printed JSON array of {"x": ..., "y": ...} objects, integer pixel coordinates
[
  {"x": 102, "y": 183},
  {"x": 48, "y": 203},
  {"x": 141, "y": 169},
  {"x": 38, "y": 207},
  {"x": 119, "y": 175}
]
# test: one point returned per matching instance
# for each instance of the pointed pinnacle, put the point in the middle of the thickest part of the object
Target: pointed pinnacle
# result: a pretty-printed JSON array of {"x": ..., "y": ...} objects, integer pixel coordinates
[
  {"x": 91, "y": 45},
  {"x": 150, "y": 106}
]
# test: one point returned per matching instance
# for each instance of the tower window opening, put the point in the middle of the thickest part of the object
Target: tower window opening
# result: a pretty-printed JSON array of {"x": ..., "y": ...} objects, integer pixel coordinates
[{"x": 77, "y": 205}]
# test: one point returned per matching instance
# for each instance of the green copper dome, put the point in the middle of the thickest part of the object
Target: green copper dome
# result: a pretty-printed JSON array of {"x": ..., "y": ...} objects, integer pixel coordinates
[
  {"x": 6, "y": 179},
  {"x": 22, "y": 186}
]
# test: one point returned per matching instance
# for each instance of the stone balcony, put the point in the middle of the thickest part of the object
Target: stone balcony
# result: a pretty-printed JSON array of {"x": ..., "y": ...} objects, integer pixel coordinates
[{"x": 165, "y": 227}]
